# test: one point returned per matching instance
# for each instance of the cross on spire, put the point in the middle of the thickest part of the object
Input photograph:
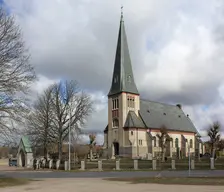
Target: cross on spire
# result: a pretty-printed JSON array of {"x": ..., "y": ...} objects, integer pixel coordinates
[{"x": 122, "y": 12}]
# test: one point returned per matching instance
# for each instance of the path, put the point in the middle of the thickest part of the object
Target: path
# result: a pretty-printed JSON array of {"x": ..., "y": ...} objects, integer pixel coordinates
[
  {"x": 96, "y": 185},
  {"x": 62, "y": 174},
  {"x": 5, "y": 170}
]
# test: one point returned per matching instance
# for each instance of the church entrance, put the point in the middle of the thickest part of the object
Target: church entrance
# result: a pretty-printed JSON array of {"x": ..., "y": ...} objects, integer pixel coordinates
[
  {"x": 22, "y": 158},
  {"x": 116, "y": 148}
]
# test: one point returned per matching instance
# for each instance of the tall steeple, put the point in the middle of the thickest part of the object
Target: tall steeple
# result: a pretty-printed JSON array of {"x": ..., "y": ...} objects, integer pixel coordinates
[{"x": 123, "y": 78}]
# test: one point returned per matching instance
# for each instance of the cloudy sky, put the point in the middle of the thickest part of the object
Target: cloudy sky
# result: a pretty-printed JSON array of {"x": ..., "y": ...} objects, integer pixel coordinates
[{"x": 176, "y": 47}]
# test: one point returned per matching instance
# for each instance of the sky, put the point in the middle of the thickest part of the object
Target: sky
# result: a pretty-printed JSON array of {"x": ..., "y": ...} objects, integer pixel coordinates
[{"x": 176, "y": 47}]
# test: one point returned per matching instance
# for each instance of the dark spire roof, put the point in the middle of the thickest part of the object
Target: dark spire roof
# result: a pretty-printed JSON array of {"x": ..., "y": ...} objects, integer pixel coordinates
[
  {"x": 123, "y": 78},
  {"x": 133, "y": 121}
]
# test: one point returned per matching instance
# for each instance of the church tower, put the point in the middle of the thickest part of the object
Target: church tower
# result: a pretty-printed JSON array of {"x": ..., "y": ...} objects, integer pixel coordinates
[{"x": 122, "y": 97}]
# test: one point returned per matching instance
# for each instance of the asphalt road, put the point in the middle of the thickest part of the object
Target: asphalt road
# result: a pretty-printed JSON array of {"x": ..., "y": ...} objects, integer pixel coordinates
[{"x": 39, "y": 175}]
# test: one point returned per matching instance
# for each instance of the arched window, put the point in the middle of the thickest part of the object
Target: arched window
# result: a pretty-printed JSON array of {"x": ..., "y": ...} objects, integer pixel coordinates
[
  {"x": 131, "y": 132},
  {"x": 176, "y": 143},
  {"x": 131, "y": 101},
  {"x": 115, "y": 123},
  {"x": 115, "y": 103},
  {"x": 191, "y": 143}
]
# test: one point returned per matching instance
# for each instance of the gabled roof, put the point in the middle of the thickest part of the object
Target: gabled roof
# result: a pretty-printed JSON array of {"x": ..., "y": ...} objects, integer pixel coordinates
[
  {"x": 123, "y": 78},
  {"x": 26, "y": 143},
  {"x": 133, "y": 121},
  {"x": 155, "y": 115}
]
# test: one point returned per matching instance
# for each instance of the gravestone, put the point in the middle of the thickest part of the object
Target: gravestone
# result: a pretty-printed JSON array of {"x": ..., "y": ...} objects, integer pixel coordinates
[
  {"x": 57, "y": 164},
  {"x": 149, "y": 156},
  {"x": 135, "y": 164},
  {"x": 50, "y": 164},
  {"x": 38, "y": 164}
]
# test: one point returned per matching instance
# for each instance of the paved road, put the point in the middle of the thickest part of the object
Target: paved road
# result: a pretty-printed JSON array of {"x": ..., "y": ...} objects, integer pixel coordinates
[
  {"x": 33, "y": 174},
  {"x": 96, "y": 185}
]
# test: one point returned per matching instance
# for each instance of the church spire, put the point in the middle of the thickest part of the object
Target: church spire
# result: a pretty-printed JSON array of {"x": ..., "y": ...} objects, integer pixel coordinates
[{"x": 123, "y": 78}]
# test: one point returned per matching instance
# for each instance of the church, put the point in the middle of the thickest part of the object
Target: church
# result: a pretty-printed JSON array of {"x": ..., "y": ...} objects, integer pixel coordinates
[{"x": 134, "y": 123}]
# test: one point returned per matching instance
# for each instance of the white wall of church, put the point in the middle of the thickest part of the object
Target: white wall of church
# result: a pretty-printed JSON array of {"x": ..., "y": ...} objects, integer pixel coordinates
[
  {"x": 138, "y": 134},
  {"x": 140, "y": 138}
]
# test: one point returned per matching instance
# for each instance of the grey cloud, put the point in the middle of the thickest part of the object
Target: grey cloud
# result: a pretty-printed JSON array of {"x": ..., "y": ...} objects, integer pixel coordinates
[{"x": 77, "y": 39}]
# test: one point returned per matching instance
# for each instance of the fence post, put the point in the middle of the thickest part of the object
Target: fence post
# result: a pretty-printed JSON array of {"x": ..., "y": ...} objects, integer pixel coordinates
[
  {"x": 173, "y": 166},
  {"x": 118, "y": 165},
  {"x": 82, "y": 165},
  {"x": 66, "y": 165},
  {"x": 154, "y": 164},
  {"x": 100, "y": 165},
  {"x": 135, "y": 164},
  {"x": 212, "y": 164},
  {"x": 192, "y": 164}
]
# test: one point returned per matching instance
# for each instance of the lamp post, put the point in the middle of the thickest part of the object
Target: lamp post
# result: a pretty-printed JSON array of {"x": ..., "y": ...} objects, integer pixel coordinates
[
  {"x": 189, "y": 163},
  {"x": 64, "y": 98},
  {"x": 69, "y": 141}
]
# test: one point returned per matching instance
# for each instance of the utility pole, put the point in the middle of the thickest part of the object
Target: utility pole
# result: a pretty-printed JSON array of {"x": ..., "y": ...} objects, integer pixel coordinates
[
  {"x": 69, "y": 140},
  {"x": 189, "y": 163}
]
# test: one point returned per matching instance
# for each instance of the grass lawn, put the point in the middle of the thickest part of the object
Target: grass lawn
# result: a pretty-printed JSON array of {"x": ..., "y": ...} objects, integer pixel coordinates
[
  {"x": 8, "y": 182},
  {"x": 174, "y": 181}
]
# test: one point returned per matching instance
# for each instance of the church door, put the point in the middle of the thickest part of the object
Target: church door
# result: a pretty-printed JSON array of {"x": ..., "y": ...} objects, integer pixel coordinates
[{"x": 116, "y": 148}]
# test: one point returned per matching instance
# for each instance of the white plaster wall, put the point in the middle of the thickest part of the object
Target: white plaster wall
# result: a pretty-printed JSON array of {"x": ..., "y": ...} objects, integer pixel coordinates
[
  {"x": 19, "y": 160},
  {"x": 143, "y": 135},
  {"x": 29, "y": 159},
  {"x": 138, "y": 135}
]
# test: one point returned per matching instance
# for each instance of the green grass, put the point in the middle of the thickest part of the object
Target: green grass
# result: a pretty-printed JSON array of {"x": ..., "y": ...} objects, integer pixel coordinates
[
  {"x": 8, "y": 182},
  {"x": 174, "y": 181}
]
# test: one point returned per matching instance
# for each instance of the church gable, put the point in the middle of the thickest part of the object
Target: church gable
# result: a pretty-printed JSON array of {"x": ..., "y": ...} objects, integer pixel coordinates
[
  {"x": 133, "y": 121},
  {"x": 25, "y": 144},
  {"x": 155, "y": 115}
]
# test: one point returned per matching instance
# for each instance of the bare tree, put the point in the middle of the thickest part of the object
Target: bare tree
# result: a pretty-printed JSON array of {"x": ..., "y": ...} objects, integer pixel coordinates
[
  {"x": 52, "y": 117},
  {"x": 16, "y": 74},
  {"x": 39, "y": 122},
  {"x": 74, "y": 112},
  {"x": 214, "y": 134},
  {"x": 164, "y": 138}
]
